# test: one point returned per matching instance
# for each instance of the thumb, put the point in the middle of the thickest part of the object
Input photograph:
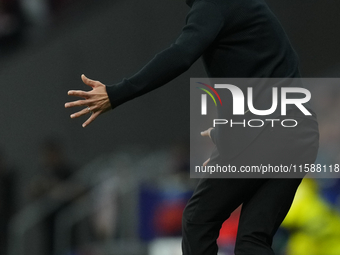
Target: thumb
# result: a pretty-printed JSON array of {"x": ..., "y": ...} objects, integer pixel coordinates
[
  {"x": 88, "y": 81},
  {"x": 206, "y": 132}
]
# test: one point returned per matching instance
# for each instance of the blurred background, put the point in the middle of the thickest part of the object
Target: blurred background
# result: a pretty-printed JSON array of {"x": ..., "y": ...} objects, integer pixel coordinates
[{"x": 120, "y": 185}]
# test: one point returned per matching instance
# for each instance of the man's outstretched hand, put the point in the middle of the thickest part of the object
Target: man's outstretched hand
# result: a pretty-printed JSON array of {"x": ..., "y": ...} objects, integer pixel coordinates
[{"x": 95, "y": 101}]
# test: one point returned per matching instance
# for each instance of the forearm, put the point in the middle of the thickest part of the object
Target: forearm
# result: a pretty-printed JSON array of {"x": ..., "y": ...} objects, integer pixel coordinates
[
  {"x": 204, "y": 22},
  {"x": 163, "y": 68}
]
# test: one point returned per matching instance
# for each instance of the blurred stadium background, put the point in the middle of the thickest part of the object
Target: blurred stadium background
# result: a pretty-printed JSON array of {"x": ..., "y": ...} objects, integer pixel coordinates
[{"x": 119, "y": 186}]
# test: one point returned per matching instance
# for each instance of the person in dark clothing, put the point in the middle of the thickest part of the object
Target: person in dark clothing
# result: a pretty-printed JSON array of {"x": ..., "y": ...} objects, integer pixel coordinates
[{"x": 236, "y": 38}]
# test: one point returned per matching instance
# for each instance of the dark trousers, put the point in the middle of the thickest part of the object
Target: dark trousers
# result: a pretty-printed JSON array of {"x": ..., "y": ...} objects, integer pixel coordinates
[{"x": 266, "y": 202}]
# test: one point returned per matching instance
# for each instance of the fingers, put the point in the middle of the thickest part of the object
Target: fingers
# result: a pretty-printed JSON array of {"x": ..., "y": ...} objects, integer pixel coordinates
[
  {"x": 86, "y": 110},
  {"x": 92, "y": 118},
  {"x": 84, "y": 94},
  {"x": 81, "y": 113},
  {"x": 88, "y": 81},
  {"x": 95, "y": 101},
  {"x": 78, "y": 103},
  {"x": 206, "y": 132},
  {"x": 206, "y": 162},
  {"x": 78, "y": 93}
]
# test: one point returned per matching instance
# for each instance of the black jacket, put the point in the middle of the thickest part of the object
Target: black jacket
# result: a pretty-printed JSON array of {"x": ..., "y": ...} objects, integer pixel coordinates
[{"x": 236, "y": 38}]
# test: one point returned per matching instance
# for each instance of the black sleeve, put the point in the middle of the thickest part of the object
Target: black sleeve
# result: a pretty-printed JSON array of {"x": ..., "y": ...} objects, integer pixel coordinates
[{"x": 204, "y": 22}]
